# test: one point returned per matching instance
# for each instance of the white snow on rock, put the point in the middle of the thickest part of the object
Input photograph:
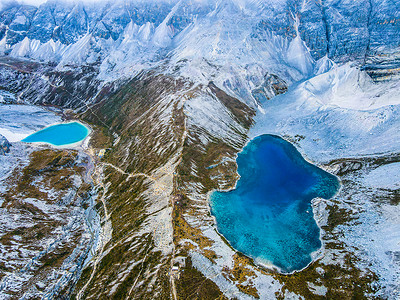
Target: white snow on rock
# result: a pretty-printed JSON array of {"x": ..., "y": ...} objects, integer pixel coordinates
[
  {"x": 348, "y": 87},
  {"x": 22, "y": 48},
  {"x": 145, "y": 31},
  {"x": 49, "y": 51},
  {"x": 222, "y": 48},
  {"x": 208, "y": 112},
  {"x": 78, "y": 53},
  {"x": 375, "y": 237},
  {"x": 299, "y": 56},
  {"x": 30, "y": 119},
  {"x": 386, "y": 176},
  {"x": 342, "y": 113},
  {"x": 3, "y": 45},
  {"x": 323, "y": 65},
  {"x": 164, "y": 33}
]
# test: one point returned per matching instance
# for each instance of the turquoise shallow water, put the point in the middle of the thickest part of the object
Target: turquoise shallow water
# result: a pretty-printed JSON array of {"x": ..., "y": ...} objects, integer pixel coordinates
[
  {"x": 60, "y": 134},
  {"x": 269, "y": 216}
]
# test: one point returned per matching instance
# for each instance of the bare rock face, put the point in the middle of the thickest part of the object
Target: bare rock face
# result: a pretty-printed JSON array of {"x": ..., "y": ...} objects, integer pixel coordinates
[{"x": 4, "y": 145}]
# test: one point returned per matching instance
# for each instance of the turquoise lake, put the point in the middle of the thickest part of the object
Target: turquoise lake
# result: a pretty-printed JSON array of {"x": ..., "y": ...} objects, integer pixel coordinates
[
  {"x": 60, "y": 134},
  {"x": 268, "y": 216}
]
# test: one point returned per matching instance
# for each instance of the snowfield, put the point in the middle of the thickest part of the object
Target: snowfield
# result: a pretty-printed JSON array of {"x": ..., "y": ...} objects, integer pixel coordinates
[
  {"x": 30, "y": 119},
  {"x": 386, "y": 177},
  {"x": 341, "y": 113}
]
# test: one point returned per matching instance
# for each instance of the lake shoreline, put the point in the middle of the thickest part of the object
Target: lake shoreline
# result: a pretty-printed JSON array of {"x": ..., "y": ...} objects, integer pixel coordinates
[
  {"x": 62, "y": 146},
  {"x": 330, "y": 181}
]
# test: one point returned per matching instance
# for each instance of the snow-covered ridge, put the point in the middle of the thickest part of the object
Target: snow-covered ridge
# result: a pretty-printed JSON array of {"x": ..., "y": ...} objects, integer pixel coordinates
[
  {"x": 233, "y": 43},
  {"x": 44, "y": 32}
]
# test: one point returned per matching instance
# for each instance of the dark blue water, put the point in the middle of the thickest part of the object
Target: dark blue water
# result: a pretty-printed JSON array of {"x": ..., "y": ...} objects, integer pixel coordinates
[
  {"x": 60, "y": 134},
  {"x": 269, "y": 216}
]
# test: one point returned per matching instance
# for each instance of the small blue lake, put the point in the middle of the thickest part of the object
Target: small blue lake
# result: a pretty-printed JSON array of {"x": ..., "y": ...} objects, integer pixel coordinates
[
  {"x": 268, "y": 216},
  {"x": 60, "y": 134}
]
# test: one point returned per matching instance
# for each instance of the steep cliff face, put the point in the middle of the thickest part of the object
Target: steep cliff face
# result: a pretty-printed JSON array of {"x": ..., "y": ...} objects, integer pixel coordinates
[
  {"x": 339, "y": 29},
  {"x": 171, "y": 90}
]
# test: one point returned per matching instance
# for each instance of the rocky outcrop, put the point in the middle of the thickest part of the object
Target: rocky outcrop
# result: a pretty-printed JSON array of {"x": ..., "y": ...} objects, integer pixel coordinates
[
  {"x": 271, "y": 87},
  {"x": 48, "y": 222},
  {"x": 4, "y": 145}
]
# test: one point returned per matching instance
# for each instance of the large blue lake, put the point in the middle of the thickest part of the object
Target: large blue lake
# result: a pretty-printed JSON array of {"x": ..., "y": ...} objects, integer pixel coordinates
[
  {"x": 60, "y": 134},
  {"x": 268, "y": 216}
]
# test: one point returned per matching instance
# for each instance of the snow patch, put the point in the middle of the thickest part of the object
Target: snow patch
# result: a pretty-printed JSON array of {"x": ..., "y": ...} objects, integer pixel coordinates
[
  {"x": 386, "y": 176},
  {"x": 30, "y": 119}
]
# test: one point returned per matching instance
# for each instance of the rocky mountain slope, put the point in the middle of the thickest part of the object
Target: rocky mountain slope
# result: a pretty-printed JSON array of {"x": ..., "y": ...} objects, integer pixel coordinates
[{"x": 171, "y": 90}]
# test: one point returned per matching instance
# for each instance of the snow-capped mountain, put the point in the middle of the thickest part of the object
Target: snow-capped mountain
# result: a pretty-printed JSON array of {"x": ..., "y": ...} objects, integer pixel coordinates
[
  {"x": 173, "y": 90},
  {"x": 206, "y": 39},
  {"x": 339, "y": 29},
  {"x": 115, "y": 33}
]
